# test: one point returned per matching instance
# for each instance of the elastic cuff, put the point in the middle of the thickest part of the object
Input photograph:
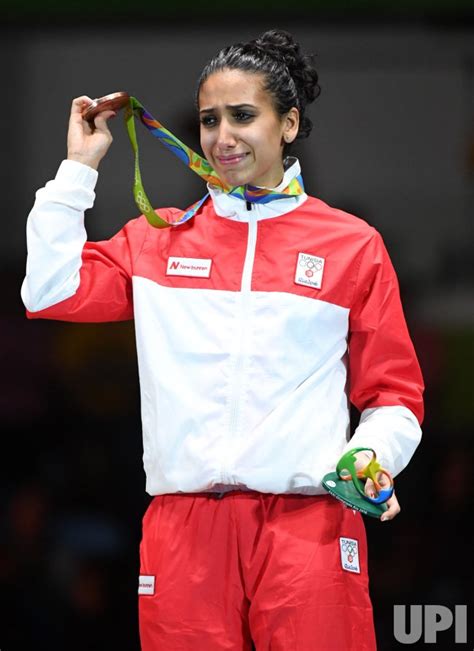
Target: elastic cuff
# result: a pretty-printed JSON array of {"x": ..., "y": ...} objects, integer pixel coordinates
[{"x": 71, "y": 171}]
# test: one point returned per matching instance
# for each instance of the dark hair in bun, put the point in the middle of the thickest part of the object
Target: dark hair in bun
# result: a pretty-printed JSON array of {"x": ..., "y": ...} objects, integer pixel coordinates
[{"x": 289, "y": 74}]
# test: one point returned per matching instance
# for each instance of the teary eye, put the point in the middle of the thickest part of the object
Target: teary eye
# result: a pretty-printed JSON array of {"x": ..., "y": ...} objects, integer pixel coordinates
[
  {"x": 242, "y": 116},
  {"x": 208, "y": 120}
]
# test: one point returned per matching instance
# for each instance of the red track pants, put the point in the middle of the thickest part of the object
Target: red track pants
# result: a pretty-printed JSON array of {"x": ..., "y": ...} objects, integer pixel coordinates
[{"x": 220, "y": 573}]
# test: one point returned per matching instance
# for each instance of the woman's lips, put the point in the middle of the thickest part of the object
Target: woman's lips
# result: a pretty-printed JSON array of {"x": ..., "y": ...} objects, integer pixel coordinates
[{"x": 231, "y": 160}]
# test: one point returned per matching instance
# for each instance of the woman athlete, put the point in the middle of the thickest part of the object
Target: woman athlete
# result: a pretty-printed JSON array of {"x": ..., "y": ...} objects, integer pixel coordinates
[{"x": 257, "y": 322}]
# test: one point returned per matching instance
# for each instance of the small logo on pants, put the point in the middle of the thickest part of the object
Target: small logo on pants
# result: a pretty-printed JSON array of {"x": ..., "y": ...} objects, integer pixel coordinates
[
  {"x": 146, "y": 584},
  {"x": 350, "y": 555}
]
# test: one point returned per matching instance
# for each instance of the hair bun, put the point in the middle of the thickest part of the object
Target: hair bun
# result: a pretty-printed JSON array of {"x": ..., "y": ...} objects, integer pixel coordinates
[{"x": 280, "y": 45}]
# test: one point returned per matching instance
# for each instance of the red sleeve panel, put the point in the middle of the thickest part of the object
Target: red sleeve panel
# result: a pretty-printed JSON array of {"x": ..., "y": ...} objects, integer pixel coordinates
[
  {"x": 105, "y": 287},
  {"x": 383, "y": 367}
]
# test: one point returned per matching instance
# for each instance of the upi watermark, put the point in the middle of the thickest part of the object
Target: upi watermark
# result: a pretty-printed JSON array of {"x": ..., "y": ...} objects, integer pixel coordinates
[{"x": 428, "y": 621}]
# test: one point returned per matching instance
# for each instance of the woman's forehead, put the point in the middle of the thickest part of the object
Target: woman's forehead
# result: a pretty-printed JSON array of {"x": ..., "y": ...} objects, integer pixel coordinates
[{"x": 232, "y": 87}]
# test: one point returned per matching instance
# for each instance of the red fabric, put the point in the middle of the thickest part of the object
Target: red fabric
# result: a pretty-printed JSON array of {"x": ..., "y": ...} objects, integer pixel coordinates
[
  {"x": 253, "y": 566},
  {"x": 383, "y": 368}
]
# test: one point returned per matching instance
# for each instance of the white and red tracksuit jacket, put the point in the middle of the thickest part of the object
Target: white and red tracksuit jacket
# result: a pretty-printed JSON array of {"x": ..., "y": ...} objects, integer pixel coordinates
[{"x": 245, "y": 374}]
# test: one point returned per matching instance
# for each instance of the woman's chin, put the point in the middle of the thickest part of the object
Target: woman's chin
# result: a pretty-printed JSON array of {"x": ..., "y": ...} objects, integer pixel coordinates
[{"x": 234, "y": 179}]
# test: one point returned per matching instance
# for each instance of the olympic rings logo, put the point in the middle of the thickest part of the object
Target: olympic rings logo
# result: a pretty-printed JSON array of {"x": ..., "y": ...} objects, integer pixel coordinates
[
  {"x": 311, "y": 265},
  {"x": 350, "y": 549},
  {"x": 142, "y": 202}
]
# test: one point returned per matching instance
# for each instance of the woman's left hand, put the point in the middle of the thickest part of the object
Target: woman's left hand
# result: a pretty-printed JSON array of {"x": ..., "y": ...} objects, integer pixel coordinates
[
  {"x": 362, "y": 458},
  {"x": 393, "y": 508}
]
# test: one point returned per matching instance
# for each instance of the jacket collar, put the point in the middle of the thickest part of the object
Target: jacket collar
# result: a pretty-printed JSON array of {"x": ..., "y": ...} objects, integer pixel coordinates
[{"x": 236, "y": 209}]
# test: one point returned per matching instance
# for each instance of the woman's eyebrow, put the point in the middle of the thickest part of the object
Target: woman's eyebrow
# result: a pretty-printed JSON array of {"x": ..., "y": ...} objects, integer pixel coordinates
[{"x": 229, "y": 106}]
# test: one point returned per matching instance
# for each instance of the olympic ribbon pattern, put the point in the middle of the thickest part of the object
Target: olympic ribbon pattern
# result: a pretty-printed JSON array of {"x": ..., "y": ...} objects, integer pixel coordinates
[
  {"x": 197, "y": 164},
  {"x": 347, "y": 471}
]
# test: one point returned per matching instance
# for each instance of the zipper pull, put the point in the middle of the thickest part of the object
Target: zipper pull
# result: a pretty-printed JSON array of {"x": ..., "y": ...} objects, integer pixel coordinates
[{"x": 249, "y": 205}]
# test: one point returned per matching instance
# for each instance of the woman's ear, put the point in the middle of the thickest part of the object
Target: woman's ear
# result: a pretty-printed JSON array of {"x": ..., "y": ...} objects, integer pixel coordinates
[{"x": 291, "y": 125}]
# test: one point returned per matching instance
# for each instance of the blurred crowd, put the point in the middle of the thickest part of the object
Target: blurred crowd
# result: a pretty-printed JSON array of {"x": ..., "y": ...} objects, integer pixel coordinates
[{"x": 73, "y": 485}]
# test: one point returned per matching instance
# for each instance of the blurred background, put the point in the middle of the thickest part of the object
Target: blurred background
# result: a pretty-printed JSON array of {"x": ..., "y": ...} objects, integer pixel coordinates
[{"x": 393, "y": 143}]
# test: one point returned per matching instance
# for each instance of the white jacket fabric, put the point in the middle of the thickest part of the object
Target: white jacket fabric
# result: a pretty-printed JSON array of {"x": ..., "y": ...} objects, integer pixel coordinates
[{"x": 255, "y": 325}]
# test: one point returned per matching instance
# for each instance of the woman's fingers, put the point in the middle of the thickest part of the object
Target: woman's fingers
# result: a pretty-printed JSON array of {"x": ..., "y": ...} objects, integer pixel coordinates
[
  {"x": 88, "y": 142},
  {"x": 79, "y": 104},
  {"x": 393, "y": 506},
  {"x": 100, "y": 121},
  {"x": 369, "y": 488},
  {"x": 392, "y": 510}
]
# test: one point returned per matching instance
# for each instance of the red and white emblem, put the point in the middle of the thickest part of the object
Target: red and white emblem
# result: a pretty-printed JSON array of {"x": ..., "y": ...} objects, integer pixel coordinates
[
  {"x": 309, "y": 270},
  {"x": 197, "y": 267},
  {"x": 350, "y": 555}
]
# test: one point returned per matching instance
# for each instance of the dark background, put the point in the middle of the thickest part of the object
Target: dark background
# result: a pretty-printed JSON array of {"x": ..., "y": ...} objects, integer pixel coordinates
[{"x": 393, "y": 143}]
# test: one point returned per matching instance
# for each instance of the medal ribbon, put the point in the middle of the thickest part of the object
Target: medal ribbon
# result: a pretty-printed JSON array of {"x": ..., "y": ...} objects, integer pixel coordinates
[{"x": 197, "y": 164}]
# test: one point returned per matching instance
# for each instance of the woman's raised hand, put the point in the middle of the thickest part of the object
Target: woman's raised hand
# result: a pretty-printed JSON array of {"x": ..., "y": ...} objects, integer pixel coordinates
[{"x": 87, "y": 142}]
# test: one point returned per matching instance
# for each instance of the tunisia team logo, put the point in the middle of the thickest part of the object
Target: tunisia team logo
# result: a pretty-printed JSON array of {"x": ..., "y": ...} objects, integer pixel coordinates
[
  {"x": 350, "y": 554},
  {"x": 309, "y": 270}
]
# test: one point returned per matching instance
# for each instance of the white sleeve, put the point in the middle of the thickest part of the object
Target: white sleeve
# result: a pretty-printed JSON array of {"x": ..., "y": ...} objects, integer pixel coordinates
[
  {"x": 392, "y": 431},
  {"x": 55, "y": 235}
]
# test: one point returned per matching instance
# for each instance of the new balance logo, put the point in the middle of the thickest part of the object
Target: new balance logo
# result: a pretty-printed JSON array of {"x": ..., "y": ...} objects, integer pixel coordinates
[{"x": 199, "y": 267}]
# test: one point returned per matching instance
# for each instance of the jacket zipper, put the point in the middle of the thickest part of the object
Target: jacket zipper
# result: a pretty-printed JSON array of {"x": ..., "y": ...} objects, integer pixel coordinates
[{"x": 239, "y": 367}]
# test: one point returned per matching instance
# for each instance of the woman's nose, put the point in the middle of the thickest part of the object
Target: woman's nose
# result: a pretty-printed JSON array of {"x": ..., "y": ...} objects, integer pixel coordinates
[{"x": 225, "y": 136}]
